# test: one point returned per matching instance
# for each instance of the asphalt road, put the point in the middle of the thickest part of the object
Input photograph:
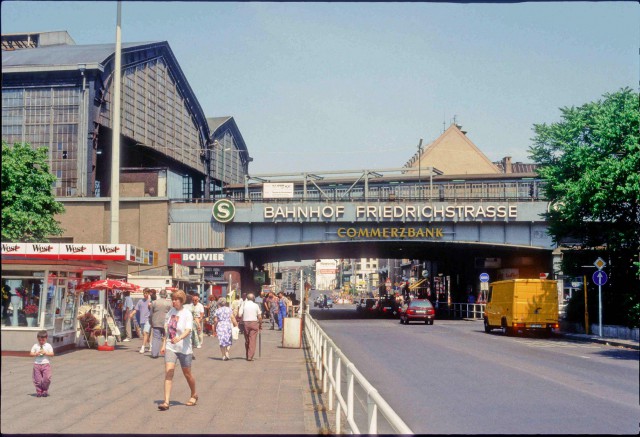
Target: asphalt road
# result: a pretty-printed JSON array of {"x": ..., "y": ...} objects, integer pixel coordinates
[{"x": 451, "y": 377}]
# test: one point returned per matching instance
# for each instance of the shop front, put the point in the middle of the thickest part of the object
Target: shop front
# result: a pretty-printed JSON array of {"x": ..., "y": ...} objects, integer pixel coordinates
[
  {"x": 213, "y": 274},
  {"x": 39, "y": 289}
]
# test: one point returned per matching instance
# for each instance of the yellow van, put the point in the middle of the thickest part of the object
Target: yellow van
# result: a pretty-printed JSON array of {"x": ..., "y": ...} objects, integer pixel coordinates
[{"x": 522, "y": 304}]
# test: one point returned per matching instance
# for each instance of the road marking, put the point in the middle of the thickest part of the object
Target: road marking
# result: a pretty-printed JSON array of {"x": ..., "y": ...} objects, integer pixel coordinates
[{"x": 556, "y": 344}]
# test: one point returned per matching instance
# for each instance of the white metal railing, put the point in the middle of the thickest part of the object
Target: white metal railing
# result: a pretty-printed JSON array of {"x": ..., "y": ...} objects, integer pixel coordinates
[
  {"x": 330, "y": 361},
  {"x": 467, "y": 310}
]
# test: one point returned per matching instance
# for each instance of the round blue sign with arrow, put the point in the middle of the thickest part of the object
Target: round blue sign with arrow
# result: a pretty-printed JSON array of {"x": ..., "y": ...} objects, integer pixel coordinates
[
  {"x": 484, "y": 277},
  {"x": 599, "y": 277}
]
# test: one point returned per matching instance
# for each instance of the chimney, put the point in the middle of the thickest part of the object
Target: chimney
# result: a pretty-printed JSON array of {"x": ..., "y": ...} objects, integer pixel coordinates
[{"x": 506, "y": 164}]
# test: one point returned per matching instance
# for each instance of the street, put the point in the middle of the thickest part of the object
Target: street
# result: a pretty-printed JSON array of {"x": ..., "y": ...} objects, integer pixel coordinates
[{"x": 451, "y": 377}]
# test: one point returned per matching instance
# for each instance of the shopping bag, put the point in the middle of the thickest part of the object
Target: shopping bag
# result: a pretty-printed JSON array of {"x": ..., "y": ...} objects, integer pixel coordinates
[{"x": 235, "y": 332}]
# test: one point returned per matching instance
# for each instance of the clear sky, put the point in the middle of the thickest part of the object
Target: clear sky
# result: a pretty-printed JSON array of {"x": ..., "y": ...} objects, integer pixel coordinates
[{"x": 336, "y": 86}]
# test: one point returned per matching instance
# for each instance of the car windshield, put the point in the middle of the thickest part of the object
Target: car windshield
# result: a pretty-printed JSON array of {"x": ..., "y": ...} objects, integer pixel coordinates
[{"x": 421, "y": 304}]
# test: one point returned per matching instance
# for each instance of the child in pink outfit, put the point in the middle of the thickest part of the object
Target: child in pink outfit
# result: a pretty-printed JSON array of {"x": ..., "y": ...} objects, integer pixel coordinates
[{"x": 41, "y": 367}]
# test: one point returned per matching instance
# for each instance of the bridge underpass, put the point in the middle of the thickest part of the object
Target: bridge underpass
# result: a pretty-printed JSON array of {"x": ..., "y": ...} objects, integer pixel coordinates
[
  {"x": 459, "y": 261},
  {"x": 453, "y": 237}
]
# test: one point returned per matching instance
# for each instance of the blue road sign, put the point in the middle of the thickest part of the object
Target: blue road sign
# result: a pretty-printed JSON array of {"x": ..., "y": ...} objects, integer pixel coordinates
[
  {"x": 484, "y": 277},
  {"x": 599, "y": 277}
]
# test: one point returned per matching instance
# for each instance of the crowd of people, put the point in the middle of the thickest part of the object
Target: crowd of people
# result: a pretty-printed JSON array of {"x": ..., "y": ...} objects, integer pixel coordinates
[{"x": 175, "y": 325}]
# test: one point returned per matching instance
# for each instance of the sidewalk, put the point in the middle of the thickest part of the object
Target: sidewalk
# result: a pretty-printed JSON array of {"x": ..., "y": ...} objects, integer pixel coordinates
[
  {"x": 631, "y": 344},
  {"x": 118, "y": 392}
]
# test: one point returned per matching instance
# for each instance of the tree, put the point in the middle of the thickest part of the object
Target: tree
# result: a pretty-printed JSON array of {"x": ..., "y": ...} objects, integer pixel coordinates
[
  {"x": 28, "y": 204},
  {"x": 591, "y": 163}
]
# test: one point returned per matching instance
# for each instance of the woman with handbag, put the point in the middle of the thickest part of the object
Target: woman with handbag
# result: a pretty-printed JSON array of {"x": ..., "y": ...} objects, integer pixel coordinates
[{"x": 223, "y": 324}]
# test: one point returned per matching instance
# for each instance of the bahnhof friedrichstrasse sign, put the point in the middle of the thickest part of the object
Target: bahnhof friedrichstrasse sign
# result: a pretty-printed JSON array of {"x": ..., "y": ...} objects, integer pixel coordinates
[{"x": 398, "y": 212}]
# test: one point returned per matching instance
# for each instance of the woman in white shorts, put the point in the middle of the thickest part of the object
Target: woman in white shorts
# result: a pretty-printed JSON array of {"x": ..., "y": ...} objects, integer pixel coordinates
[{"x": 177, "y": 347}]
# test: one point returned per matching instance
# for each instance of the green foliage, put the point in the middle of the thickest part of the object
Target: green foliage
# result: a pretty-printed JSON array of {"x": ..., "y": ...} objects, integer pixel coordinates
[
  {"x": 28, "y": 204},
  {"x": 591, "y": 163}
]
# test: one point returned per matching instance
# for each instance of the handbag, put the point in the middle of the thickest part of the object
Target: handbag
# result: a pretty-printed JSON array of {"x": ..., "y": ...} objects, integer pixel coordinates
[{"x": 235, "y": 332}]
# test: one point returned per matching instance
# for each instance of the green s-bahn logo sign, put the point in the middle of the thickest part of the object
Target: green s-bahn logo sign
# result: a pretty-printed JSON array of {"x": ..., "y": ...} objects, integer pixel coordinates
[{"x": 223, "y": 211}]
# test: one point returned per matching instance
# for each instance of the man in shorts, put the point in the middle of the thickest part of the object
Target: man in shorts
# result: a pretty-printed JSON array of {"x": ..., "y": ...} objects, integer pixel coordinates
[{"x": 143, "y": 307}]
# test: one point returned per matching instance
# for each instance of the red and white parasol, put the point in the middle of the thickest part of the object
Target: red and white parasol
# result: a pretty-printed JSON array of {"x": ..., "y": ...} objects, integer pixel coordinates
[{"x": 108, "y": 284}]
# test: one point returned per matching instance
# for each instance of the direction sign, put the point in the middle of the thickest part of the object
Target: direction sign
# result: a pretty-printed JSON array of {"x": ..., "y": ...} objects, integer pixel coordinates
[
  {"x": 599, "y": 263},
  {"x": 484, "y": 277},
  {"x": 599, "y": 277}
]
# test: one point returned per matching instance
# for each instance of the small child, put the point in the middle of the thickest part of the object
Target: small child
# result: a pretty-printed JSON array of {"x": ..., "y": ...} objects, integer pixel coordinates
[{"x": 41, "y": 367}]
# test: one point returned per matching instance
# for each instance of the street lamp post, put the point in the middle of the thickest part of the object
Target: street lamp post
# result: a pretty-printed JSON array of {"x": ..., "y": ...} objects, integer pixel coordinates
[{"x": 419, "y": 165}]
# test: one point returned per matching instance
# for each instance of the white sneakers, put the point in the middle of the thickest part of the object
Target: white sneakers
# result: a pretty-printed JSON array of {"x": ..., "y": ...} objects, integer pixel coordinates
[
  {"x": 126, "y": 339},
  {"x": 199, "y": 346},
  {"x": 142, "y": 349}
]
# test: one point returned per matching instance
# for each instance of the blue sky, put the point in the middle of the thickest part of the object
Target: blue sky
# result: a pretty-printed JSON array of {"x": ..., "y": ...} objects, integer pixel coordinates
[{"x": 334, "y": 86}]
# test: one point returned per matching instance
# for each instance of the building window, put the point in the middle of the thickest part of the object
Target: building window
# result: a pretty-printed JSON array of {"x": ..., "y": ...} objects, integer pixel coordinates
[
  {"x": 187, "y": 187},
  {"x": 21, "y": 298}
]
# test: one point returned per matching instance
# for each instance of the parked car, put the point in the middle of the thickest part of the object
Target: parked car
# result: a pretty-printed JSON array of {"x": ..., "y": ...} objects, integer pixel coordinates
[{"x": 418, "y": 309}]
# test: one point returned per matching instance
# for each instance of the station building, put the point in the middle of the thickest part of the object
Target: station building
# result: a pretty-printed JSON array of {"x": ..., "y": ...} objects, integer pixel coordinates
[{"x": 59, "y": 95}]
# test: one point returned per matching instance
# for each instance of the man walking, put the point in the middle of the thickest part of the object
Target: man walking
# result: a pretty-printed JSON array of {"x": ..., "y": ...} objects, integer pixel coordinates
[
  {"x": 272, "y": 301},
  {"x": 252, "y": 318},
  {"x": 127, "y": 307},
  {"x": 282, "y": 310},
  {"x": 143, "y": 307},
  {"x": 159, "y": 310},
  {"x": 198, "y": 320}
]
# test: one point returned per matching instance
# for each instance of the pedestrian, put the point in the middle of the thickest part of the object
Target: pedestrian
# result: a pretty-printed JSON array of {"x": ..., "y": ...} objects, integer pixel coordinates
[
  {"x": 243, "y": 299},
  {"x": 159, "y": 310},
  {"x": 41, "y": 366},
  {"x": 273, "y": 309},
  {"x": 222, "y": 324},
  {"x": 189, "y": 306},
  {"x": 282, "y": 310},
  {"x": 252, "y": 317},
  {"x": 198, "y": 319},
  {"x": 177, "y": 347},
  {"x": 211, "y": 307},
  {"x": 235, "y": 305},
  {"x": 143, "y": 308},
  {"x": 127, "y": 308}
]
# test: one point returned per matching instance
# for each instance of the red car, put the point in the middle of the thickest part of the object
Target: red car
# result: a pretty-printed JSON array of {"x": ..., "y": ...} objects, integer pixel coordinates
[{"x": 418, "y": 309}]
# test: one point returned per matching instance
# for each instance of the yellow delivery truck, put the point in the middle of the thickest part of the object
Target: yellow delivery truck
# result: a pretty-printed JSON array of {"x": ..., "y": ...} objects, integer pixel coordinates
[{"x": 522, "y": 305}]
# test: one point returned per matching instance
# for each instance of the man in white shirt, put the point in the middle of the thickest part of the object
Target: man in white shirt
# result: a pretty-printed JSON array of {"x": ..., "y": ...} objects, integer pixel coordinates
[
  {"x": 252, "y": 318},
  {"x": 198, "y": 318}
]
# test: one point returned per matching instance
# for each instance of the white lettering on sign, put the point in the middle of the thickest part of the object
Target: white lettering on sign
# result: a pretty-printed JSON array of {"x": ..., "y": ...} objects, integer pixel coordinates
[
  {"x": 191, "y": 256},
  {"x": 298, "y": 212},
  {"x": 393, "y": 212}
]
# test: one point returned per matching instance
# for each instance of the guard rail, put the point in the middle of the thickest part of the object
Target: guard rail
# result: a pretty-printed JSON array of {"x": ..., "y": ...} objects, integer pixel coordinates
[
  {"x": 467, "y": 310},
  {"x": 330, "y": 362}
]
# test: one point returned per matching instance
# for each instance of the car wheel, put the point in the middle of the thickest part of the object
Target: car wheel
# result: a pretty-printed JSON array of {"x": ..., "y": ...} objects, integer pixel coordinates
[
  {"x": 487, "y": 328},
  {"x": 431, "y": 322},
  {"x": 426, "y": 322}
]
